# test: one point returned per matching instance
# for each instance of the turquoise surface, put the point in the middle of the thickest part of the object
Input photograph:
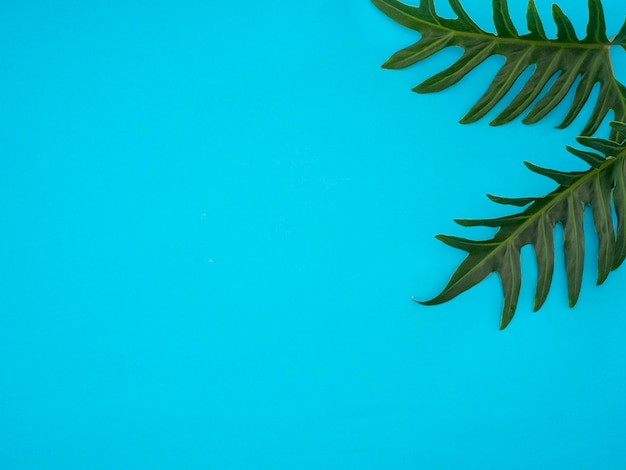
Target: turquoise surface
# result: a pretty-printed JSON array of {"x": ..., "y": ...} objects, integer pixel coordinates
[{"x": 213, "y": 217}]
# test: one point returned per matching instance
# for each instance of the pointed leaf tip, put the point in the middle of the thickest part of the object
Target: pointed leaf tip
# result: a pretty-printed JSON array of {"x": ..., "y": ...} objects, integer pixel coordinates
[
  {"x": 511, "y": 201},
  {"x": 502, "y": 19},
  {"x": 426, "y": 303},
  {"x": 533, "y": 20},
  {"x": 596, "y": 27},
  {"x": 562, "y": 178},
  {"x": 460, "y": 243},
  {"x": 592, "y": 159},
  {"x": 565, "y": 28}
]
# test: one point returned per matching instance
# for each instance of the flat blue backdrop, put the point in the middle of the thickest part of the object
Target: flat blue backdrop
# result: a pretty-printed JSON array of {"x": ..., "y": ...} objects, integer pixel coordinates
[{"x": 213, "y": 216}]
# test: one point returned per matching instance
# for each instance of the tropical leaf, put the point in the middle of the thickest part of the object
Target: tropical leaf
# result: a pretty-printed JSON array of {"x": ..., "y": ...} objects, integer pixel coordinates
[
  {"x": 567, "y": 59},
  {"x": 602, "y": 186}
]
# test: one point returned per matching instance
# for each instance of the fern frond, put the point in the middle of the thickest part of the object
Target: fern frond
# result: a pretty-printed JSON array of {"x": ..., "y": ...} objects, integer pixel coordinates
[
  {"x": 598, "y": 187},
  {"x": 567, "y": 58}
]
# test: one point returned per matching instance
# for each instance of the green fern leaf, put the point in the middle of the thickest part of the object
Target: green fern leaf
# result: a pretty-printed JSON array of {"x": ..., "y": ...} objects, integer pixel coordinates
[
  {"x": 567, "y": 58},
  {"x": 598, "y": 187}
]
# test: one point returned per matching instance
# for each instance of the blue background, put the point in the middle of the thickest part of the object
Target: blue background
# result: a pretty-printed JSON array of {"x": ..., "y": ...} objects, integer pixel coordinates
[{"x": 213, "y": 217}]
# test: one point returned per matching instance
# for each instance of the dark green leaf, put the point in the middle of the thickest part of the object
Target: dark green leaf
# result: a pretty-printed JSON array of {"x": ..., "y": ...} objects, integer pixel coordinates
[
  {"x": 597, "y": 187},
  {"x": 565, "y": 57}
]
